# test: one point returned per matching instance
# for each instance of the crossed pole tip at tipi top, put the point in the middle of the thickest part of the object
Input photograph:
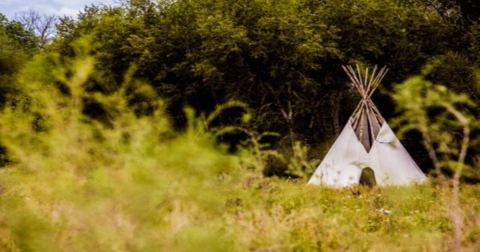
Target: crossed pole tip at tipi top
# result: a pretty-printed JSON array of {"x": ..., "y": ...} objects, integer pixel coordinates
[{"x": 366, "y": 119}]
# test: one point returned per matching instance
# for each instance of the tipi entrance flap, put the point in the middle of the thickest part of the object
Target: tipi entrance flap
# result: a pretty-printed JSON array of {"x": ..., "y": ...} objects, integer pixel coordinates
[{"x": 367, "y": 177}]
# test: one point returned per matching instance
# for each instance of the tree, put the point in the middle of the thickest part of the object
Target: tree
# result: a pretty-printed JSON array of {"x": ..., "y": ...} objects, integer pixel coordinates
[
  {"x": 17, "y": 45},
  {"x": 42, "y": 25},
  {"x": 469, "y": 10},
  {"x": 17, "y": 34},
  {"x": 282, "y": 58}
]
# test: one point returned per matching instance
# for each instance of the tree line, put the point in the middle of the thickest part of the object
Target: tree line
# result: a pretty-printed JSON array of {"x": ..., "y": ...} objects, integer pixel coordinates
[{"x": 281, "y": 58}]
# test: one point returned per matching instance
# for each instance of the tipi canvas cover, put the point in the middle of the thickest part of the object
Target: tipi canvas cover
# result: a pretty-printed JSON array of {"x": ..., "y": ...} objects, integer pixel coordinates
[{"x": 367, "y": 142}]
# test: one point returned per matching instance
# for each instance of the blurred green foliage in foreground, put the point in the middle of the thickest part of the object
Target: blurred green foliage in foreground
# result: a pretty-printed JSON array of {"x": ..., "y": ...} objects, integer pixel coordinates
[{"x": 75, "y": 184}]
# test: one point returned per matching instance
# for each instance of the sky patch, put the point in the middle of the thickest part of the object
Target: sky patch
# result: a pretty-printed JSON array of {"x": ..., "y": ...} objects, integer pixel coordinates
[{"x": 58, "y": 7}]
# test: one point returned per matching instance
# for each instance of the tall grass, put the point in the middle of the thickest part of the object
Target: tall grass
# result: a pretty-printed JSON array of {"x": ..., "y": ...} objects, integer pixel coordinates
[{"x": 75, "y": 184}]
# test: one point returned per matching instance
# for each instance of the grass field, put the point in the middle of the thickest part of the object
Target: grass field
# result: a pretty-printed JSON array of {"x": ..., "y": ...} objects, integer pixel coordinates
[{"x": 74, "y": 184}]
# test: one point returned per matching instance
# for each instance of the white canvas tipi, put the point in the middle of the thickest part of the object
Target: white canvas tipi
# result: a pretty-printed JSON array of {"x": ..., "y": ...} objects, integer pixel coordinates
[{"x": 367, "y": 144}]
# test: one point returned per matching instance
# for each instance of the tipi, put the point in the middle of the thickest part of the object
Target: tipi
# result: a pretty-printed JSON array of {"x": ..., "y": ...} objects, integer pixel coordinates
[{"x": 367, "y": 145}]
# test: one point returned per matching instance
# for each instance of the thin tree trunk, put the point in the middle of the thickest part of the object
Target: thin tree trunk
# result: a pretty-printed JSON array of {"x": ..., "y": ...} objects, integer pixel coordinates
[
  {"x": 334, "y": 102},
  {"x": 287, "y": 112},
  {"x": 455, "y": 213}
]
